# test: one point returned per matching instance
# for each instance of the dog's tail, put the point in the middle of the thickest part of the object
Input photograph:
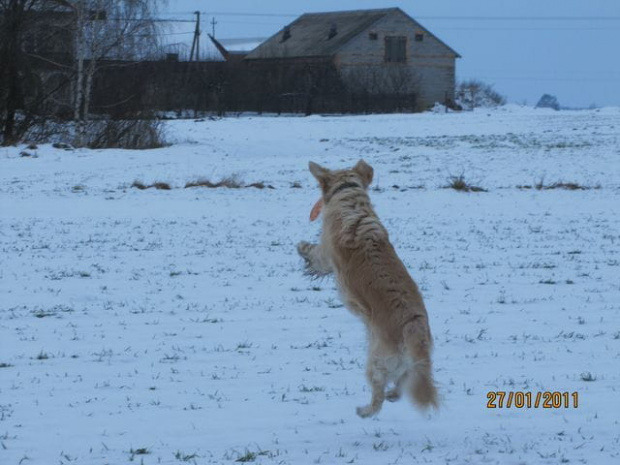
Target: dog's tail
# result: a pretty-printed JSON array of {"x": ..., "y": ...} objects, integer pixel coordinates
[{"x": 418, "y": 343}]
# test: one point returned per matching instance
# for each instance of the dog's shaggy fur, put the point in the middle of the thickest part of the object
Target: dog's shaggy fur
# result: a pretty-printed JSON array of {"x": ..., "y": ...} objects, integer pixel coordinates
[{"x": 375, "y": 285}]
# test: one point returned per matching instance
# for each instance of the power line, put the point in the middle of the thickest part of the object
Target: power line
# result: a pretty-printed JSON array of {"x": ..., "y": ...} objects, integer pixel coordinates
[
  {"x": 442, "y": 18},
  {"x": 542, "y": 28},
  {"x": 559, "y": 79},
  {"x": 152, "y": 20},
  {"x": 219, "y": 13},
  {"x": 521, "y": 18}
]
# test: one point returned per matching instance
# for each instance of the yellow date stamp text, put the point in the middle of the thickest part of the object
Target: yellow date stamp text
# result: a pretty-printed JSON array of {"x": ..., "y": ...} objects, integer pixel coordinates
[{"x": 523, "y": 399}]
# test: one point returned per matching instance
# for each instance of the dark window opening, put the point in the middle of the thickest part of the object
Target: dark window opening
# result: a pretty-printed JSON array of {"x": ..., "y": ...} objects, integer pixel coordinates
[
  {"x": 419, "y": 37},
  {"x": 395, "y": 49},
  {"x": 333, "y": 32},
  {"x": 286, "y": 35},
  {"x": 373, "y": 36}
]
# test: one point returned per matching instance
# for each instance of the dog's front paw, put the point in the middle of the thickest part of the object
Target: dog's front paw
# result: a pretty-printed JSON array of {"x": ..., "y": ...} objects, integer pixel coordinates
[
  {"x": 365, "y": 412},
  {"x": 304, "y": 249}
]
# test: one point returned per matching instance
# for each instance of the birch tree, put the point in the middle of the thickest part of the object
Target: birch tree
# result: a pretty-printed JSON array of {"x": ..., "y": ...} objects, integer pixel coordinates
[{"x": 110, "y": 30}]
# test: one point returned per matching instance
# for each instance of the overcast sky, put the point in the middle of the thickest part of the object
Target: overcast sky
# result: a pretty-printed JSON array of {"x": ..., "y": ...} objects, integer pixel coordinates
[{"x": 568, "y": 48}]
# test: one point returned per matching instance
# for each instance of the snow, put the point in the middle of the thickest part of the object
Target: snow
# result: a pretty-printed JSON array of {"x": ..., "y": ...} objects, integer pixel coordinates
[{"x": 177, "y": 327}]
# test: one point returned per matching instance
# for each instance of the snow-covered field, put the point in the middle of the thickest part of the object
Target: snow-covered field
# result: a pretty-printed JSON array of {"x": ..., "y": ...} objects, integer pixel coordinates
[{"x": 170, "y": 327}]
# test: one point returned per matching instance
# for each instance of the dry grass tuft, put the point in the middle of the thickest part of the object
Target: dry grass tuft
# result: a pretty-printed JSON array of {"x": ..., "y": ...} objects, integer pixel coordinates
[
  {"x": 458, "y": 183},
  {"x": 569, "y": 186},
  {"x": 139, "y": 185},
  {"x": 260, "y": 185},
  {"x": 230, "y": 182},
  {"x": 201, "y": 183},
  {"x": 157, "y": 185}
]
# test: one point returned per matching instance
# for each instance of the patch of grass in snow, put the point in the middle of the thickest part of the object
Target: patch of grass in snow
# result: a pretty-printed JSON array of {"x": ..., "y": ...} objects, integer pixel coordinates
[
  {"x": 458, "y": 183},
  {"x": 571, "y": 335},
  {"x": 333, "y": 303},
  {"x": 380, "y": 446},
  {"x": 156, "y": 185},
  {"x": 250, "y": 456},
  {"x": 43, "y": 314},
  {"x": 244, "y": 345},
  {"x": 161, "y": 186},
  {"x": 139, "y": 185},
  {"x": 230, "y": 182},
  {"x": 587, "y": 376},
  {"x": 304, "y": 388},
  {"x": 183, "y": 457},
  {"x": 260, "y": 185},
  {"x": 569, "y": 186},
  {"x": 139, "y": 451},
  {"x": 428, "y": 447},
  {"x": 478, "y": 337}
]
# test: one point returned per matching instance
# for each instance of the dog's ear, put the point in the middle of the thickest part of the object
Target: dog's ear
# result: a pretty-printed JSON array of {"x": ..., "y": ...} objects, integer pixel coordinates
[
  {"x": 321, "y": 174},
  {"x": 365, "y": 172}
]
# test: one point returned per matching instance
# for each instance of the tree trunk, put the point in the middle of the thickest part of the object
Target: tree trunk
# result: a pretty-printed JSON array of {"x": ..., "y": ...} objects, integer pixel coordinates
[
  {"x": 78, "y": 104},
  {"x": 13, "y": 23}
]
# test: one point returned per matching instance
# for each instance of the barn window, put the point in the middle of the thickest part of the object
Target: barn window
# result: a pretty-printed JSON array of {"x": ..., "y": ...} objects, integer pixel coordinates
[
  {"x": 395, "y": 49},
  {"x": 286, "y": 34},
  {"x": 419, "y": 37},
  {"x": 373, "y": 35}
]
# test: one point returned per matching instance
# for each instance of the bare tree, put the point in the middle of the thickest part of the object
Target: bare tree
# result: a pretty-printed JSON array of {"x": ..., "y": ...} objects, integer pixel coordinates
[
  {"x": 475, "y": 93},
  {"x": 110, "y": 30},
  {"x": 14, "y": 17},
  {"x": 98, "y": 31}
]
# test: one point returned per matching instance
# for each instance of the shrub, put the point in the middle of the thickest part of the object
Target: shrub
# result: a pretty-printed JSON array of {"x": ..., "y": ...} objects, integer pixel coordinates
[
  {"x": 140, "y": 133},
  {"x": 548, "y": 101},
  {"x": 477, "y": 94}
]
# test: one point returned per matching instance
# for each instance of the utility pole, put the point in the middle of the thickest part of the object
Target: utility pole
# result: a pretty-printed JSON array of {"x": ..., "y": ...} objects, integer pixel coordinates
[
  {"x": 196, "y": 42},
  {"x": 213, "y": 23}
]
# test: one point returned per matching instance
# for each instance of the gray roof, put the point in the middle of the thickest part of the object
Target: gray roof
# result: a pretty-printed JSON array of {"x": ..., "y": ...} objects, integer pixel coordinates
[{"x": 309, "y": 34}]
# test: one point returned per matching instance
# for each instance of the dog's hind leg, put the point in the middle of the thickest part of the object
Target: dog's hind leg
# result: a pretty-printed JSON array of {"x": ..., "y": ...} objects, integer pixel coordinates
[
  {"x": 377, "y": 377},
  {"x": 317, "y": 261},
  {"x": 418, "y": 342},
  {"x": 394, "y": 394}
]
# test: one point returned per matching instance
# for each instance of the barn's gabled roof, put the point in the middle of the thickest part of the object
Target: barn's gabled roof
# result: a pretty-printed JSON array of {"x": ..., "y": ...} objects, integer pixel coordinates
[
  {"x": 309, "y": 34},
  {"x": 312, "y": 34}
]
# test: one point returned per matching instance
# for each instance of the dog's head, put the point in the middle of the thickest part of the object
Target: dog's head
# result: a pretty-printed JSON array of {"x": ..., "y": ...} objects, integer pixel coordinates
[{"x": 330, "y": 181}]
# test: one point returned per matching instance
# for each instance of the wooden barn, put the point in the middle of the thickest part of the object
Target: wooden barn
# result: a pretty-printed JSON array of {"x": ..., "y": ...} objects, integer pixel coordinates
[{"x": 381, "y": 51}]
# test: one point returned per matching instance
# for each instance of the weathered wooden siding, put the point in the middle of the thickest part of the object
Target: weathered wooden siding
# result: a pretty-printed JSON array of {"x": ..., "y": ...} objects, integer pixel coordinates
[{"x": 429, "y": 69}]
